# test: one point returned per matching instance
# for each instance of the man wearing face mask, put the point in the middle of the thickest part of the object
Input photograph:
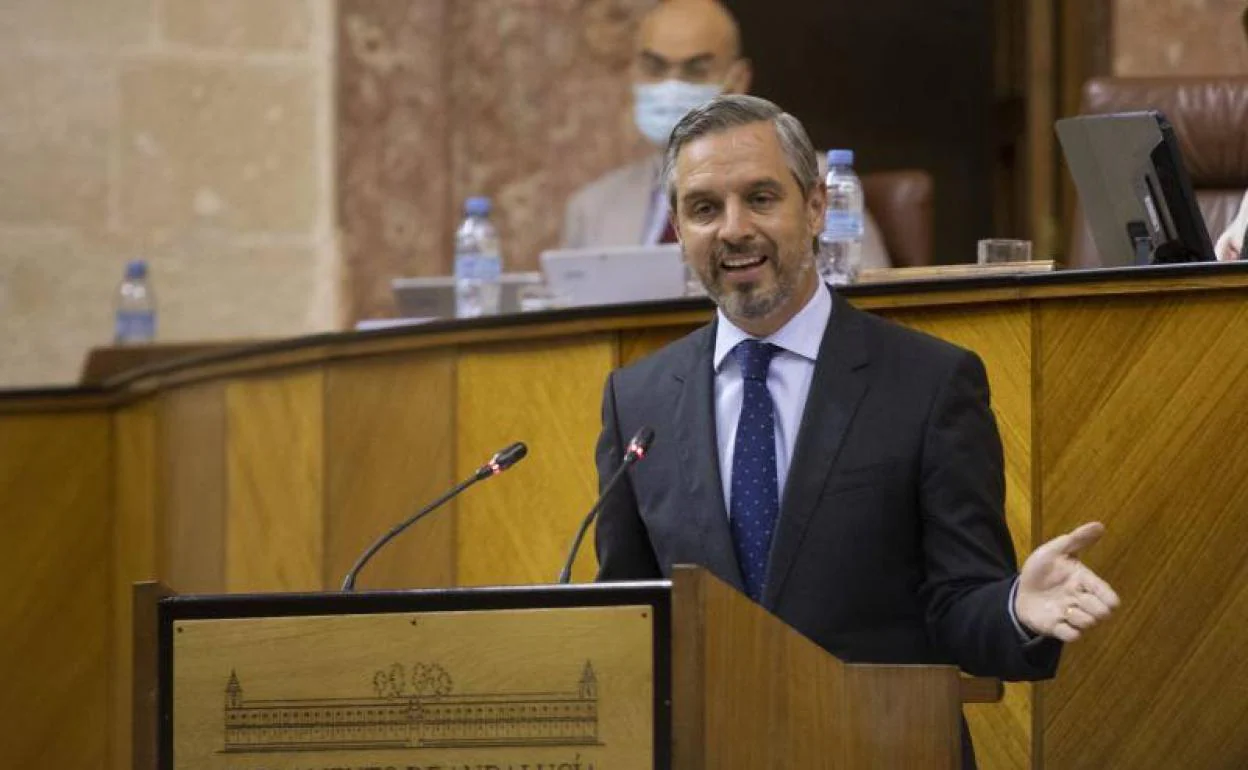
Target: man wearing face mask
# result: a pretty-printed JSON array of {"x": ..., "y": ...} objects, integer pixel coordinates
[{"x": 688, "y": 52}]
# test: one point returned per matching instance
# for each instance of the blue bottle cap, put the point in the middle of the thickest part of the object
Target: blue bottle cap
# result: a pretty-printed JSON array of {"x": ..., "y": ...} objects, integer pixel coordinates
[
  {"x": 840, "y": 157},
  {"x": 136, "y": 269},
  {"x": 477, "y": 206}
]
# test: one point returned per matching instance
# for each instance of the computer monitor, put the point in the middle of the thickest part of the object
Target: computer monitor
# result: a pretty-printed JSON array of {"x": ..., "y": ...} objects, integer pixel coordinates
[
  {"x": 1135, "y": 192},
  {"x": 615, "y": 274}
]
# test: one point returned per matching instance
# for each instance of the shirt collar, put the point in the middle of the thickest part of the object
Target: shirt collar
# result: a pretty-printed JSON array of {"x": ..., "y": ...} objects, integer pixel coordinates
[{"x": 801, "y": 336}]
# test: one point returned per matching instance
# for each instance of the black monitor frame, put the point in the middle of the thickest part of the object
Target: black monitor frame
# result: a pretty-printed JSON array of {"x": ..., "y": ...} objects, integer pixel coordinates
[{"x": 1135, "y": 191}]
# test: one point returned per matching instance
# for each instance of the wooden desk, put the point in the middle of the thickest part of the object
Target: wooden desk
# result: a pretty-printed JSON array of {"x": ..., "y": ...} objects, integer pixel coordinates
[{"x": 1120, "y": 396}]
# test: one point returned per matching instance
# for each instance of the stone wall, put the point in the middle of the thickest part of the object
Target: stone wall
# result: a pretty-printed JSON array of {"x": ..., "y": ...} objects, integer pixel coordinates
[
  {"x": 197, "y": 134},
  {"x": 520, "y": 100}
]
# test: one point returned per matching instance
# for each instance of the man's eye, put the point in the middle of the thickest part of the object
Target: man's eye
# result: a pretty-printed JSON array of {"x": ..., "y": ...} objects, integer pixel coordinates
[
  {"x": 762, "y": 199},
  {"x": 654, "y": 67},
  {"x": 702, "y": 210}
]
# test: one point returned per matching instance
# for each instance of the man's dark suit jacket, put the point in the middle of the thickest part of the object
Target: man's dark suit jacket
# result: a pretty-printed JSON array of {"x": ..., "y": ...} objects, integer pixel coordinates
[{"x": 892, "y": 545}]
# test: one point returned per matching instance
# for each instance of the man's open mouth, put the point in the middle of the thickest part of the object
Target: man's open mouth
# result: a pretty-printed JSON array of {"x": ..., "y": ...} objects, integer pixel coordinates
[{"x": 743, "y": 262}]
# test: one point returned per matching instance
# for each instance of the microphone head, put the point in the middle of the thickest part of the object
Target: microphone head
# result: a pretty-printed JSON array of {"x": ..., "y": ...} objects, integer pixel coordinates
[
  {"x": 640, "y": 443},
  {"x": 507, "y": 457}
]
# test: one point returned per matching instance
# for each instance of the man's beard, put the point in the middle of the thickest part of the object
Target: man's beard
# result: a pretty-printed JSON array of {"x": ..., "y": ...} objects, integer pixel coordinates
[{"x": 750, "y": 300}]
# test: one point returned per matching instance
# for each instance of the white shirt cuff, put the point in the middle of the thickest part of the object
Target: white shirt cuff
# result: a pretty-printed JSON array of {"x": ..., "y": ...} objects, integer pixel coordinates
[{"x": 1023, "y": 634}]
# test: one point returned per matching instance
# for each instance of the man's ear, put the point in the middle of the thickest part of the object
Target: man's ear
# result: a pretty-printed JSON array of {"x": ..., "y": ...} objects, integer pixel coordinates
[
  {"x": 816, "y": 206},
  {"x": 740, "y": 75}
]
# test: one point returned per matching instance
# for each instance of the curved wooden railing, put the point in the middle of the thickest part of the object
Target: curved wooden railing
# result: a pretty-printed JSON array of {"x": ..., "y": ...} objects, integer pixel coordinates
[{"x": 1120, "y": 396}]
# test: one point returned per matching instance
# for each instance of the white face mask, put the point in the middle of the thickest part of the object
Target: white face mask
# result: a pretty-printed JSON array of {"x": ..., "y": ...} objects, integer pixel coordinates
[{"x": 658, "y": 107}]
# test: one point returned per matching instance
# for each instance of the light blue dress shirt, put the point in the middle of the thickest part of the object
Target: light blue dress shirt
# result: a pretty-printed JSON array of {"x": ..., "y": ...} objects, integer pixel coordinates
[{"x": 788, "y": 381}]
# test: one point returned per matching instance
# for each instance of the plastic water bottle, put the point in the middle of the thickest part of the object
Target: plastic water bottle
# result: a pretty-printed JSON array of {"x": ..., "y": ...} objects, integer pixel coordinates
[
  {"x": 478, "y": 263},
  {"x": 135, "y": 319},
  {"x": 840, "y": 244}
]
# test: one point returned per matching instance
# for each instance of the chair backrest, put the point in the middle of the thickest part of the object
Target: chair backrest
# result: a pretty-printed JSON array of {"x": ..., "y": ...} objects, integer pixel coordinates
[
  {"x": 1210, "y": 119},
  {"x": 901, "y": 202}
]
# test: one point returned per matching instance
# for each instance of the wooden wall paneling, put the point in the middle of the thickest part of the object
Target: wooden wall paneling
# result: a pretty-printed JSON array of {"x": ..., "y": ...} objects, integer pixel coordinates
[
  {"x": 135, "y": 546},
  {"x": 389, "y": 449},
  {"x": 516, "y": 528},
  {"x": 1142, "y": 424},
  {"x": 274, "y": 481},
  {"x": 1136, "y": 419},
  {"x": 191, "y": 488},
  {"x": 636, "y": 344},
  {"x": 55, "y": 611},
  {"x": 1002, "y": 337}
]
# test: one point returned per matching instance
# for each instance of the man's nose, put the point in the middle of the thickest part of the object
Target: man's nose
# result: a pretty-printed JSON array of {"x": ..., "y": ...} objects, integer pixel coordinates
[{"x": 738, "y": 225}]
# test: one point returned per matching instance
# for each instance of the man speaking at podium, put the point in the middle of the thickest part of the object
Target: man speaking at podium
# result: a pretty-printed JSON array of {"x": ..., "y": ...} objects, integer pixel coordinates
[{"x": 843, "y": 471}]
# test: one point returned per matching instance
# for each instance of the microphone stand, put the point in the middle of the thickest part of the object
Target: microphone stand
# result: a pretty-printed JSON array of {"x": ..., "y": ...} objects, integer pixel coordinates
[{"x": 497, "y": 464}]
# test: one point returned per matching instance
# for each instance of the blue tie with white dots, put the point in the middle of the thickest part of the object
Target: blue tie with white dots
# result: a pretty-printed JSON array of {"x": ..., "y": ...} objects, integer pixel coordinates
[{"x": 754, "y": 502}]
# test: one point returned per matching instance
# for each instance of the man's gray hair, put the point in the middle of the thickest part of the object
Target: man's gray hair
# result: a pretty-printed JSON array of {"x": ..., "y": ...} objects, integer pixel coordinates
[{"x": 733, "y": 110}]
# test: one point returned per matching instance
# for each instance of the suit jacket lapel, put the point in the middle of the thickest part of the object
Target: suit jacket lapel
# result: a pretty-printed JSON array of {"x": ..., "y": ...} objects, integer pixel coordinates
[
  {"x": 699, "y": 461},
  {"x": 838, "y": 385}
]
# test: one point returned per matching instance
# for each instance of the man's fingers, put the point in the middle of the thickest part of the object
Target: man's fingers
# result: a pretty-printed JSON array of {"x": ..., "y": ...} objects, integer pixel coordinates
[
  {"x": 1093, "y": 584},
  {"x": 1092, "y": 605},
  {"x": 1065, "y": 632},
  {"x": 1082, "y": 537},
  {"x": 1077, "y": 618}
]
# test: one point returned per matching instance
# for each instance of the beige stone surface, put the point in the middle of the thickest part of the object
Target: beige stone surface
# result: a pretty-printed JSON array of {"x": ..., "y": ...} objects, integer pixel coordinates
[
  {"x": 239, "y": 25},
  {"x": 210, "y": 290},
  {"x": 55, "y": 304},
  {"x": 196, "y": 134},
  {"x": 56, "y": 128},
  {"x": 231, "y": 145},
  {"x": 57, "y": 291},
  {"x": 75, "y": 23}
]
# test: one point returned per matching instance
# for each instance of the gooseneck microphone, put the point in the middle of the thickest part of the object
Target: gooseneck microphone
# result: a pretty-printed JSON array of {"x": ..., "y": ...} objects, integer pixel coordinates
[
  {"x": 635, "y": 451},
  {"x": 504, "y": 459}
]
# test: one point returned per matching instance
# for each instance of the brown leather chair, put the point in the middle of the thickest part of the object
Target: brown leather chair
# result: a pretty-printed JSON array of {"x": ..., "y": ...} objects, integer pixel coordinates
[
  {"x": 901, "y": 203},
  {"x": 1210, "y": 119}
]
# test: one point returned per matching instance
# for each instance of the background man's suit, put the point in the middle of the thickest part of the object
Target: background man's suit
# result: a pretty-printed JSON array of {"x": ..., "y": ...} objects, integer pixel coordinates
[{"x": 891, "y": 545}]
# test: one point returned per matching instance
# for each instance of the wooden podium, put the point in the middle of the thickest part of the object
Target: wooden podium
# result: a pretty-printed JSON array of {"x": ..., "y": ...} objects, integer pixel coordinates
[{"x": 684, "y": 674}]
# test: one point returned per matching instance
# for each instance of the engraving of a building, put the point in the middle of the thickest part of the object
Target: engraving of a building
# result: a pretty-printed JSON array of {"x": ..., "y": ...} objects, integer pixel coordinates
[{"x": 459, "y": 720}]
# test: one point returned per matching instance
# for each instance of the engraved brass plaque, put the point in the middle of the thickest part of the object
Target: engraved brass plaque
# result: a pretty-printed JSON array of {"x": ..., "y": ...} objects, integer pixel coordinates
[{"x": 496, "y": 690}]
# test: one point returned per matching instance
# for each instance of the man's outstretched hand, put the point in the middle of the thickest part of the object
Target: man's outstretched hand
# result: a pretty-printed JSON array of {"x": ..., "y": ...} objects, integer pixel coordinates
[{"x": 1058, "y": 595}]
